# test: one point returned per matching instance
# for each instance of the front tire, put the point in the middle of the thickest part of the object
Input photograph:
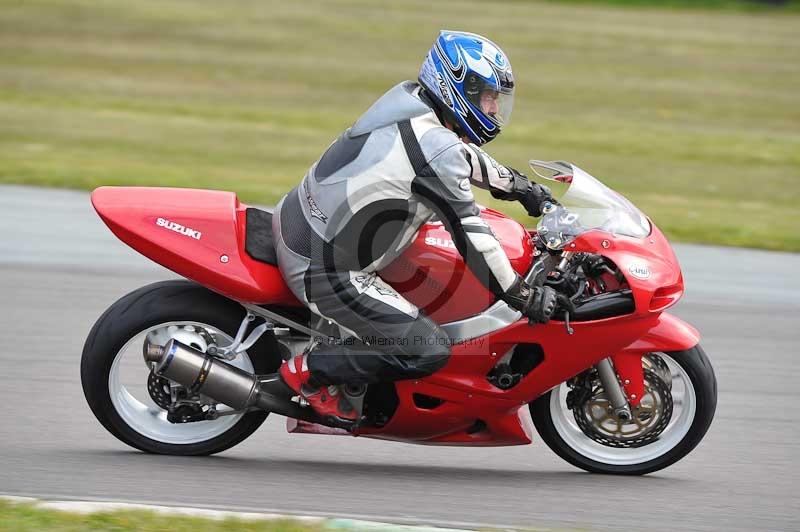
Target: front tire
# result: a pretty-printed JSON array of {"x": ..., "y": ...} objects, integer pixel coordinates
[
  {"x": 137, "y": 421},
  {"x": 698, "y": 400}
]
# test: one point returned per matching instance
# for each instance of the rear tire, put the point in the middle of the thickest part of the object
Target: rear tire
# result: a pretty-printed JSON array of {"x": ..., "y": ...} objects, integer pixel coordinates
[
  {"x": 149, "y": 306},
  {"x": 696, "y": 366}
]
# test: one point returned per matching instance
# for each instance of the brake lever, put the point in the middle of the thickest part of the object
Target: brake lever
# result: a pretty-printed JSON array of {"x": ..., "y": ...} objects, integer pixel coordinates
[
  {"x": 568, "y": 306},
  {"x": 570, "y": 330}
]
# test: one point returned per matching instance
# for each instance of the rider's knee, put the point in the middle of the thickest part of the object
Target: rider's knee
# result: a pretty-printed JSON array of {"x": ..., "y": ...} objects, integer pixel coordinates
[
  {"x": 437, "y": 360},
  {"x": 432, "y": 351}
]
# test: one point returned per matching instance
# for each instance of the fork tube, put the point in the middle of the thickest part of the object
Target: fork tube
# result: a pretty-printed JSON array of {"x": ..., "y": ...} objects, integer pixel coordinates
[
  {"x": 608, "y": 377},
  {"x": 565, "y": 258}
]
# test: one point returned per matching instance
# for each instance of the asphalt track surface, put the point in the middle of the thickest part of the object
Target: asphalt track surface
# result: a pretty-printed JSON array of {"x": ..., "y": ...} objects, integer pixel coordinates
[{"x": 60, "y": 268}]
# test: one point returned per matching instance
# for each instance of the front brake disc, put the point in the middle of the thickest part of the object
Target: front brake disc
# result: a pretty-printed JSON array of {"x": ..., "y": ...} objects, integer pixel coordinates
[{"x": 596, "y": 418}]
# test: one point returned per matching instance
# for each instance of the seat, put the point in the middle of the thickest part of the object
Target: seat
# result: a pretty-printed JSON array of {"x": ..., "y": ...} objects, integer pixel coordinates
[{"x": 258, "y": 242}]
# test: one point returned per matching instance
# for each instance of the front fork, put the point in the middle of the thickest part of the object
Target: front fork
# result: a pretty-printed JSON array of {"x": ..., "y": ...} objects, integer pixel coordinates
[{"x": 622, "y": 378}]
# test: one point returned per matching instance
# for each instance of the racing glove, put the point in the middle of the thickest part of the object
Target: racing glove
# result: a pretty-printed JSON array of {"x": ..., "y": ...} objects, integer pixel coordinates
[
  {"x": 531, "y": 195},
  {"x": 538, "y": 303}
]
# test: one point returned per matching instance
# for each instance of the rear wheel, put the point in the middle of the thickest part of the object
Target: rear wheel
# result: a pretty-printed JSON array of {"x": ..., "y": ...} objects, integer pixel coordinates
[
  {"x": 676, "y": 411},
  {"x": 132, "y": 403}
]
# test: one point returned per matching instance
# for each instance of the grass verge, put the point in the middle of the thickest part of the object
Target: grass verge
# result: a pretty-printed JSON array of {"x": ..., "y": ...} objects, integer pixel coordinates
[
  {"x": 27, "y": 518},
  {"x": 750, "y": 5},
  {"x": 692, "y": 114}
]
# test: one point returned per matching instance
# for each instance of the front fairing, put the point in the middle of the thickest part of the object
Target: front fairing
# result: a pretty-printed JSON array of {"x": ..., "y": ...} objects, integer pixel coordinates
[
  {"x": 649, "y": 265},
  {"x": 592, "y": 218}
]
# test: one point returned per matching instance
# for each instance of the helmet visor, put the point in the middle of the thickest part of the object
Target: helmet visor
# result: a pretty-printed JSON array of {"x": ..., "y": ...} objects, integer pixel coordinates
[{"x": 496, "y": 105}]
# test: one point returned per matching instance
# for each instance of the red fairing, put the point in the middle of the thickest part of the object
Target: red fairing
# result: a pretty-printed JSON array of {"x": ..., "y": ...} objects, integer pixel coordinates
[
  {"x": 469, "y": 396},
  {"x": 198, "y": 234},
  {"x": 432, "y": 274},
  {"x": 669, "y": 334},
  {"x": 650, "y": 266},
  {"x": 651, "y": 269}
]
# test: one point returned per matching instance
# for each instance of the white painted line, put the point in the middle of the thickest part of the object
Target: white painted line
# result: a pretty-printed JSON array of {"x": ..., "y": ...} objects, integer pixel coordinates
[
  {"x": 374, "y": 526},
  {"x": 20, "y": 500}
]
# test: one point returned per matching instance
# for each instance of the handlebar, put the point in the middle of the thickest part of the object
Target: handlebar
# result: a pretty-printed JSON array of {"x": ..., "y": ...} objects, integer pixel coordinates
[
  {"x": 606, "y": 305},
  {"x": 557, "y": 225},
  {"x": 572, "y": 306}
]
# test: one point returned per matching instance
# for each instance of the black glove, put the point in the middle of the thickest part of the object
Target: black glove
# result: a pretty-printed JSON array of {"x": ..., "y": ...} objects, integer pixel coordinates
[
  {"x": 536, "y": 197},
  {"x": 537, "y": 303},
  {"x": 531, "y": 195},
  {"x": 541, "y": 304}
]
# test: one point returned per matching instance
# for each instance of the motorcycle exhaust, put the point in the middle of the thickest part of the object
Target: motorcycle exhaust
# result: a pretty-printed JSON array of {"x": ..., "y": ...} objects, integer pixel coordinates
[{"x": 238, "y": 389}]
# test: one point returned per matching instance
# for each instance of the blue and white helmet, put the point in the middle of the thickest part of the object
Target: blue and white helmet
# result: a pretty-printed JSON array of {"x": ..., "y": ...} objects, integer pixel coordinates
[{"x": 470, "y": 78}]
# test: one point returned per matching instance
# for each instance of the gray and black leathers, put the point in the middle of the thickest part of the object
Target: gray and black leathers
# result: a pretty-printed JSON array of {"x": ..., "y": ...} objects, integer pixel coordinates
[{"x": 358, "y": 207}]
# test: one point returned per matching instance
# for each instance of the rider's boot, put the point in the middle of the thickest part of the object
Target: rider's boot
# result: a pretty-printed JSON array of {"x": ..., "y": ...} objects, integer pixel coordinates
[{"x": 327, "y": 401}]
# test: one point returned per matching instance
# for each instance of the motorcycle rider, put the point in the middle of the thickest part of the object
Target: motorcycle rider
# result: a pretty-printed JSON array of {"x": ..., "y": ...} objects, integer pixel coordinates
[{"x": 410, "y": 157}]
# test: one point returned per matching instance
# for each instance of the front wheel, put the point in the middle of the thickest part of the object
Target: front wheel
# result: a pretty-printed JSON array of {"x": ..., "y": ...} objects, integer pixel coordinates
[
  {"x": 132, "y": 403},
  {"x": 679, "y": 404}
]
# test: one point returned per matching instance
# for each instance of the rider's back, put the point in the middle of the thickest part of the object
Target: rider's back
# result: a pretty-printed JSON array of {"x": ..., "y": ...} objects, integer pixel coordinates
[{"x": 357, "y": 201}]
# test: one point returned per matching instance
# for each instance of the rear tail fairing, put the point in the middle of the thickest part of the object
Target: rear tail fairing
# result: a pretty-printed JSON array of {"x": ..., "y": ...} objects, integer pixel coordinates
[{"x": 199, "y": 234}]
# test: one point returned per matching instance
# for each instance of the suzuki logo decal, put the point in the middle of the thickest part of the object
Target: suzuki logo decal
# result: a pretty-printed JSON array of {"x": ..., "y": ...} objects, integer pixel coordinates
[
  {"x": 178, "y": 228},
  {"x": 440, "y": 242}
]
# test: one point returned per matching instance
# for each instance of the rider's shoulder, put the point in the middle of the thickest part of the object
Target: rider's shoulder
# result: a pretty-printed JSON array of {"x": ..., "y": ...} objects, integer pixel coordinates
[
  {"x": 398, "y": 104},
  {"x": 436, "y": 140}
]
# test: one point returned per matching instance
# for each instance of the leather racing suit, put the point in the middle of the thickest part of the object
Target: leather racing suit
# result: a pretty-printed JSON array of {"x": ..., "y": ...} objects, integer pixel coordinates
[{"x": 358, "y": 207}]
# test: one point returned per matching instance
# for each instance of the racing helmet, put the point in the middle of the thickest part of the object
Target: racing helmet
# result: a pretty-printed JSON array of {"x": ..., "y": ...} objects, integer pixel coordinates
[{"x": 469, "y": 78}]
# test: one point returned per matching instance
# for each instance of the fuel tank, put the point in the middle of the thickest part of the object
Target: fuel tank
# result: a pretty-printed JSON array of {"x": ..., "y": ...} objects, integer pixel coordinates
[{"x": 432, "y": 274}]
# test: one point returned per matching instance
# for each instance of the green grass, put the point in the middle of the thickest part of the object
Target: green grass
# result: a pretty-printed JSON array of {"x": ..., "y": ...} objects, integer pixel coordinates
[
  {"x": 692, "y": 114},
  {"x": 27, "y": 518},
  {"x": 751, "y": 5}
]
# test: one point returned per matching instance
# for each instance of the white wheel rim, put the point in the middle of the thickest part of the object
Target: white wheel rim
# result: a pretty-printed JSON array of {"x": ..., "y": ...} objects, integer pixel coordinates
[
  {"x": 684, "y": 408},
  {"x": 127, "y": 386}
]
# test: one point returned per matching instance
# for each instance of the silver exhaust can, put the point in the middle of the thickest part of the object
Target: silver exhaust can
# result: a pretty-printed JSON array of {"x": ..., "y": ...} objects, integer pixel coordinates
[
  {"x": 214, "y": 378},
  {"x": 204, "y": 374}
]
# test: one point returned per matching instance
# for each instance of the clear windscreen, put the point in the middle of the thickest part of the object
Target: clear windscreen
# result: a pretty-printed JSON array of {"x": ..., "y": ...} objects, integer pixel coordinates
[{"x": 587, "y": 204}]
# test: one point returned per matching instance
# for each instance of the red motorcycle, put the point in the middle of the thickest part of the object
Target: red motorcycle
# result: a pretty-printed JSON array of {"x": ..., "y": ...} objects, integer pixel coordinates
[{"x": 613, "y": 385}]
